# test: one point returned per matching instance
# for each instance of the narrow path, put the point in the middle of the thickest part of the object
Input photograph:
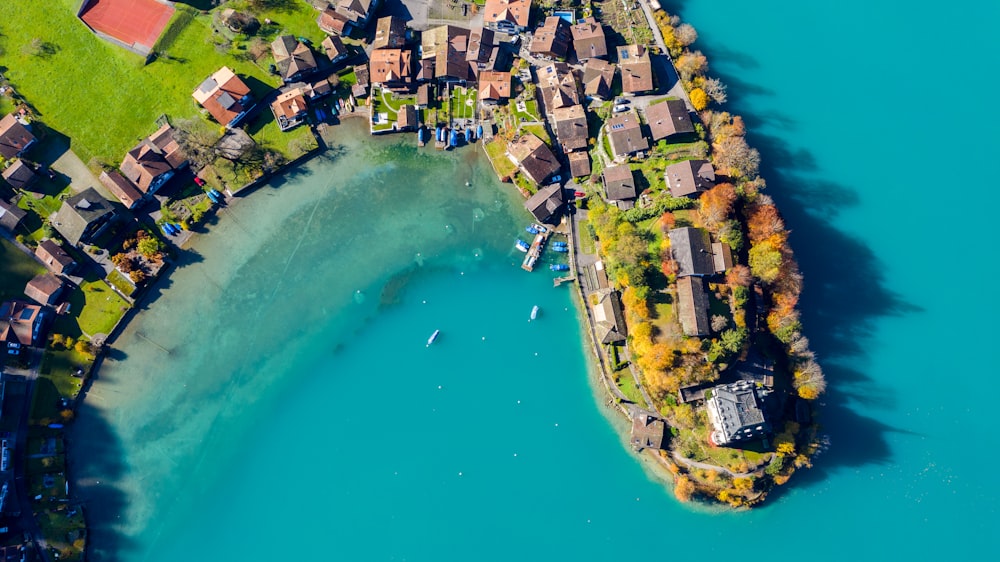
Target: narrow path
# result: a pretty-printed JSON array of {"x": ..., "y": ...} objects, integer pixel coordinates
[
  {"x": 706, "y": 466},
  {"x": 652, "y": 24}
]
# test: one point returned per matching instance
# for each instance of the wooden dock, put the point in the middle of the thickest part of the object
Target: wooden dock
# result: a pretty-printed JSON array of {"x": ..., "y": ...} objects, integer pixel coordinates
[{"x": 535, "y": 251}]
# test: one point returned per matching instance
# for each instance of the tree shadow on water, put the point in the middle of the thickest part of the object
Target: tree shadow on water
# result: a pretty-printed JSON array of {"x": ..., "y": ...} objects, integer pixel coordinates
[
  {"x": 845, "y": 292},
  {"x": 97, "y": 466}
]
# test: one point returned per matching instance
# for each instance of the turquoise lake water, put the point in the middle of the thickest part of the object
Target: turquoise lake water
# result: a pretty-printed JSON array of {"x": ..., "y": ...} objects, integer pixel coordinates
[{"x": 297, "y": 413}]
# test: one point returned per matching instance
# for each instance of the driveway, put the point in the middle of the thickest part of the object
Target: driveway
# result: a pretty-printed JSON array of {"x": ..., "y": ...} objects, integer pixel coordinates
[{"x": 58, "y": 156}]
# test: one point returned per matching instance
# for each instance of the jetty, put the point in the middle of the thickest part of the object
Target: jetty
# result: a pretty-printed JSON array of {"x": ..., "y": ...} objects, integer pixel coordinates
[{"x": 535, "y": 250}]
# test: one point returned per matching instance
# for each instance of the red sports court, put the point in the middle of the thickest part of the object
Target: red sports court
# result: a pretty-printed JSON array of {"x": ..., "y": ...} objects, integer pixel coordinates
[{"x": 130, "y": 21}]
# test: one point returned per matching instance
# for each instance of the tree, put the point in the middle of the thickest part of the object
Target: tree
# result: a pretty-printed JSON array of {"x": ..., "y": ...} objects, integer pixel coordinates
[
  {"x": 719, "y": 323},
  {"x": 735, "y": 157},
  {"x": 683, "y": 488},
  {"x": 686, "y": 34},
  {"x": 84, "y": 347},
  {"x": 743, "y": 485},
  {"x": 691, "y": 64},
  {"x": 739, "y": 276},
  {"x": 764, "y": 221},
  {"x": 717, "y": 204},
  {"x": 732, "y": 233},
  {"x": 698, "y": 99},
  {"x": 765, "y": 261},
  {"x": 148, "y": 247},
  {"x": 197, "y": 141},
  {"x": 715, "y": 90},
  {"x": 809, "y": 380}
]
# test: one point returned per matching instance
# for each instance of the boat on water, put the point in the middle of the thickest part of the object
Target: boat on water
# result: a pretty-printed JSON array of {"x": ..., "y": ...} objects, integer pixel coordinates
[
  {"x": 479, "y": 132},
  {"x": 560, "y": 249},
  {"x": 420, "y": 135},
  {"x": 167, "y": 229},
  {"x": 521, "y": 245},
  {"x": 559, "y": 267},
  {"x": 531, "y": 229},
  {"x": 433, "y": 337},
  {"x": 342, "y": 104},
  {"x": 468, "y": 134},
  {"x": 539, "y": 227},
  {"x": 534, "y": 312},
  {"x": 212, "y": 196},
  {"x": 453, "y": 138}
]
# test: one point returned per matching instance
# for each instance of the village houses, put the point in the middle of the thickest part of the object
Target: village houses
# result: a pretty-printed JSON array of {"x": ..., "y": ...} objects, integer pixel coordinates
[
  {"x": 508, "y": 16},
  {"x": 15, "y": 137},
  {"x": 689, "y": 178},
  {"x": 293, "y": 58},
  {"x": 636, "y": 69},
  {"x": 226, "y": 98},
  {"x": 625, "y": 135}
]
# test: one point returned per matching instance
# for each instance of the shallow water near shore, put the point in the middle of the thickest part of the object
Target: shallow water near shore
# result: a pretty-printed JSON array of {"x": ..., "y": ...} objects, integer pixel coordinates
[{"x": 263, "y": 407}]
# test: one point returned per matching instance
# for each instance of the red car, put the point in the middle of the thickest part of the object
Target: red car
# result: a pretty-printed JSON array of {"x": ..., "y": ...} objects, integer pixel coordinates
[
  {"x": 199, "y": 181},
  {"x": 579, "y": 194}
]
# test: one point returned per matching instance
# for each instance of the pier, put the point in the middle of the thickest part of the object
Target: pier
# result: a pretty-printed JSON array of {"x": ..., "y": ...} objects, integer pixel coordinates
[{"x": 535, "y": 251}]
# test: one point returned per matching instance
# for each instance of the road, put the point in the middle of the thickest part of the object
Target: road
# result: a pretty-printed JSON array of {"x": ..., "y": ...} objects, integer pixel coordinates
[{"x": 652, "y": 24}]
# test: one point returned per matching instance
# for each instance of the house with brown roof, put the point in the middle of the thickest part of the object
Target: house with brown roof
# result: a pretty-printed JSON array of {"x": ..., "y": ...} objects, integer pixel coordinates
[
  {"x": 508, "y": 16},
  {"x": 391, "y": 68},
  {"x": 360, "y": 89},
  {"x": 609, "y": 319},
  {"x": 558, "y": 86},
  {"x": 345, "y": 17},
  {"x": 10, "y": 216},
  {"x": 293, "y": 58},
  {"x": 691, "y": 248},
  {"x": 55, "y": 257},
  {"x": 588, "y": 39},
  {"x": 20, "y": 175},
  {"x": 425, "y": 93},
  {"x": 290, "y": 108},
  {"x": 335, "y": 49},
  {"x": 533, "y": 157},
  {"x": 570, "y": 124},
  {"x": 83, "y": 217},
  {"x": 579, "y": 163},
  {"x": 225, "y": 97},
  {"x": 546, "y": 204},
  {"x": 689, "y": 178},
  {"x": 44, "y": 288},
  {"x": 406, "y": 118},
  {"x": 119, "y": 186},
  {"x": 636, "y": 69},
  {"x": 647, "y": 431},
  {"x": 390, "y": 33},
  {"x": 494, "y": 87},
  {"x": 153, "y": 162},
  {"x": 447, "y": 46},
  {"x": 552, "y": 40},
  {"x": 692, "y": 306},
  {"x": 625, "y": 135},
  {"x": 15, "y": 137},
  {"x": 668, "y": 118},
  {"x": 598, "y": 74},
  {"x": 620, "y": 185},
  {"x": 21, "y": 325},
  {"x": 484, "y": 52}
]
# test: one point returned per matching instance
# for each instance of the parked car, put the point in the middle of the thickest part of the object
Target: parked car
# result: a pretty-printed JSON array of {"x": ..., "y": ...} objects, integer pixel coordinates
[
  {"x": 200, "y": 182},
  {"x": 619, "y": 108},
  {"x": 555, "y": 179}
]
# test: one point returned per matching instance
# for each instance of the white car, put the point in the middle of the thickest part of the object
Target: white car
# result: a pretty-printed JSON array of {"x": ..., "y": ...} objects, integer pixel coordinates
[{"x": 620, "y": 108}]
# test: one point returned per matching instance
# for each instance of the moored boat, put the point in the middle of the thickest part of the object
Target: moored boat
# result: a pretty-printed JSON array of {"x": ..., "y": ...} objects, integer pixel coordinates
[
  {"x": 534, "y": 312},
  {"x": 433, "y": 337},
  {"x": 560, "y": 249},
  {"x": 521, "y": 245},
  {"x": 559, "y": 267}
]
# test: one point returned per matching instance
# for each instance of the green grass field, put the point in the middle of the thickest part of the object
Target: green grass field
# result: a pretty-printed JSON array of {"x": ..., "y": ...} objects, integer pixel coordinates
[{"x": 102, "y": 96}]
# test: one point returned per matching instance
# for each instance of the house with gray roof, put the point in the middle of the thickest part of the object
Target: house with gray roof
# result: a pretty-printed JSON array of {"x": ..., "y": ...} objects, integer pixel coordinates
[
  {"x": 293, "y": 58},
  {"x": 668, "y": 118},
  {"x": 83, "y": 217},
  {"x": 625, "y": 135},
  {"x": 691, "y": 248},
  {"x": 736, "y": 413},
  {"x": 546, "y": 204},
  {"x": 10, "y": 215},
  {"x": 722, "y": 255},
  {"x": 647, "y": 431},
  {"x": 609, "y": 319},
  {"x": 570, "y": 124},
  {"x": 534, "y": 158},
  {"x": 692, "y": 306},
  {"x": 620, "y": 186},
  {"x": 19, "y": 175},
  {"x": 689, "y": 178}
]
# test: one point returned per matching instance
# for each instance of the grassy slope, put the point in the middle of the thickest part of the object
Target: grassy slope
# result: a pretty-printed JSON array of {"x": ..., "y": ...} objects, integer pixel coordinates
[
  {"x": 16, "y": 269},
  {"x": 101, "y": 95}
]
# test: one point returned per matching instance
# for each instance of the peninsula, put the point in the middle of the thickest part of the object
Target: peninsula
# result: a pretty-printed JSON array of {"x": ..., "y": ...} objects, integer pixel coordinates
[{"x": 601, "y": 114}]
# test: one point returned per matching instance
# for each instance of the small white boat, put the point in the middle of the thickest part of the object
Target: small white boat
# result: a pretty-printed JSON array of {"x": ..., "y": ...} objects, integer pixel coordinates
[
  {"x": 534, "y": 312},
  {"x": 433, "y": 337}
]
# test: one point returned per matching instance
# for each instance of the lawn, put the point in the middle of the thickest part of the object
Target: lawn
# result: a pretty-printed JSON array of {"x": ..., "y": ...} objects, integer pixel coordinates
[
  {"x": 94, "y": 309},
  {"x": 496, "y": 150},
  {"x": 106, "y": 80},
  {"x": 16, "y": 269},
  {"x": 539, "y": 131},
  {"x": 59, "y": 365},
  {"x": 462, "y": 103},
  {"x": 627, "y": 385},
  {"x": 530, "y": 113},
  {"x": 587, "y": 245}
]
